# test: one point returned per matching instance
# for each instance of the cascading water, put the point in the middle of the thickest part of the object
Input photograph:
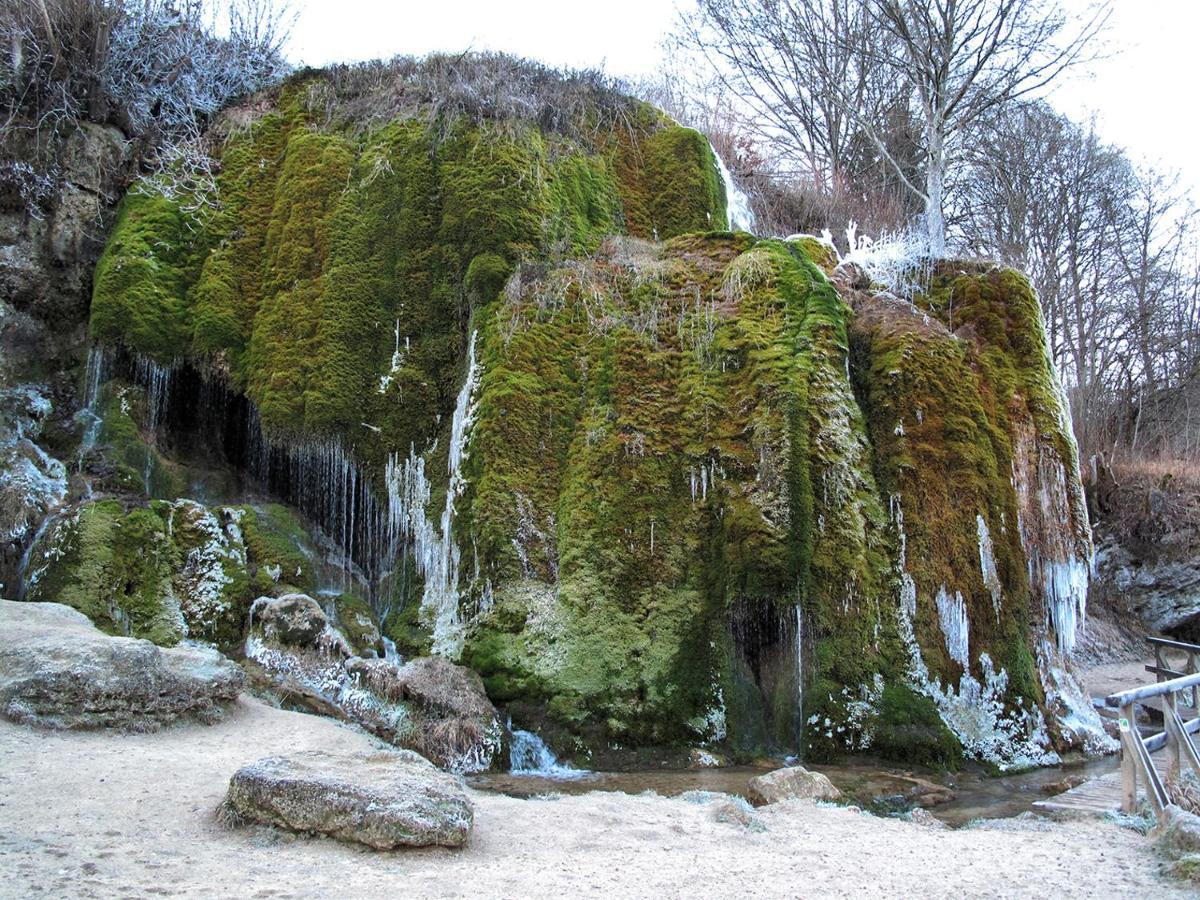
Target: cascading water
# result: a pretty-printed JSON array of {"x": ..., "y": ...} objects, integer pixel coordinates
[
  {"x": 156, "y": 379},
  {"x": 529, "y": 755},
  {"x": 737, "y": 204},
  {"x": 436, "y": 555},
  {"x": 99, "y": 361}
]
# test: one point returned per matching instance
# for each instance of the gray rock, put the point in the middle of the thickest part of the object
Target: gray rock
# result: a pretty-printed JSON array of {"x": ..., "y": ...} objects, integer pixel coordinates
[
  {"x": 293, "y": 619},
  {"x": 385, "y": 799},
  {"x": 791, "y": 783},
  {"x": 926, "y": 819},
  {"x": 57, "y": 670},
  {"x": 429, "y": 705},
  {"x": 1164, "y": 592},
  {"x": 1177, "y": 833}
]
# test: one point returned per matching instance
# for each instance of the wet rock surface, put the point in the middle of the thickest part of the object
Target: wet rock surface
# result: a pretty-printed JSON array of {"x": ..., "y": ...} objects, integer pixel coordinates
[
  {"x": 384, "y": 800},
  {"x": 793, "y": 782},
  {"x": 57, "y": 670},
  {"x": 429, "y": 705}
]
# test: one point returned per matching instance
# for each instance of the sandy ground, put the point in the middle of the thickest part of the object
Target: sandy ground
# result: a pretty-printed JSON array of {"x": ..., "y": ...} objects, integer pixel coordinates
[{"x": 111, "y": 815}]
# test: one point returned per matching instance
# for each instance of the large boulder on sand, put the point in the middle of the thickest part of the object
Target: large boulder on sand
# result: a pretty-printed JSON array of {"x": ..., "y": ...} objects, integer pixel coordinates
[
  {"x": 57, "y": 670},
  {"x": 791, "y": 783},
  {"x": 384, "y": 799}
]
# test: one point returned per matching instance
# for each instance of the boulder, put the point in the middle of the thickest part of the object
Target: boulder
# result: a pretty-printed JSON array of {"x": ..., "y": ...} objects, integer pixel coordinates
[
  {"x": 57, "y": 670},
  {"x": 793, "y": 782},
  {"x": 926, "y": 819},
  {"x": 383, "y": 799},
  {"x": 452, "y": 721},
  {"x": 1177, "y": 833},
  {"x": 429, "y": 705},
  {"x": 293, "y": 619}
]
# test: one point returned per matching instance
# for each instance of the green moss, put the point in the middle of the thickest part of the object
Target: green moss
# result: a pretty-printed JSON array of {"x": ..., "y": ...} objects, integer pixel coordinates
[
  {"x": 279, "y": 548},
  {"x": 909, "y": 729},
  {"x": 139, "y": 297},
  {"x": 670, "y": 185},
  {"x": 115, "y": 568},
  {"x": 357, "y": 621}
]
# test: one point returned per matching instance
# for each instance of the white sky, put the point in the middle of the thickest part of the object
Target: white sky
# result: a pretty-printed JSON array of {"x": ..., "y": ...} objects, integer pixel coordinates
[{"x": 1143, "y": 97}]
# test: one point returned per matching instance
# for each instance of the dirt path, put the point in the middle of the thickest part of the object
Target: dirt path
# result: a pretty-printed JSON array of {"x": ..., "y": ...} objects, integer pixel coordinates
[{"x": 105, "y": 815}]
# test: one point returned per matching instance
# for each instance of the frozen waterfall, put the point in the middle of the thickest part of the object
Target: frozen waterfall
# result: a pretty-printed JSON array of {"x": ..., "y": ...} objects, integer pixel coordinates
[{"x": 436, "y": 555}]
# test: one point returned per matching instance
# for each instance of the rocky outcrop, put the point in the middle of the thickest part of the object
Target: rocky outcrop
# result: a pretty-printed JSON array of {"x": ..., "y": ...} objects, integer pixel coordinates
[
  {"x": 429, "y": 705},
  {"x": 58, "y": 671},
  {"x": 384, "y": 800},
  {"x": 47, "y": 258},
  {"x": 791, "y": 783},
  {"x": 32, "y": 482},
  {"x": 1163, "y": 591}
]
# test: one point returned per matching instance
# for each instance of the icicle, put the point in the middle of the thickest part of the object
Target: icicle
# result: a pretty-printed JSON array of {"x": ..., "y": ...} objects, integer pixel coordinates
[
  {"x": 952, "y": 613},
  {"x": 436, "y": 555},
  {"x": 987, "y": 564}
]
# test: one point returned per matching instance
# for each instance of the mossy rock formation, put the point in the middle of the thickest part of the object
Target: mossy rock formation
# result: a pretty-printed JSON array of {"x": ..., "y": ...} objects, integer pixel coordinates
[{"x": 665, "y": 483}]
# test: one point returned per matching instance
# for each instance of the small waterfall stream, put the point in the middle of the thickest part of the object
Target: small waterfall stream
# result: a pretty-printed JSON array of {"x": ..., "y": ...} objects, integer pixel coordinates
[
  {"x": 737, "y": 204},
  {"x": 529, "y": 755}
]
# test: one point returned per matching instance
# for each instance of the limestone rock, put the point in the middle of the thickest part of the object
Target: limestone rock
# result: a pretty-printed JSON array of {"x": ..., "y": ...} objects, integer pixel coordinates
[
  {"x": 294, "y": 619},
  {"x": 791, "y": 783},
  {"x": 926, "y": 819},
  {"x": 453, "y": 721},
  {"x": 429, "y": 705},
  {"x": 57, "y": 670},
  {"x": 385, "y": 799},
  {"x": 1177, "y": 833}
]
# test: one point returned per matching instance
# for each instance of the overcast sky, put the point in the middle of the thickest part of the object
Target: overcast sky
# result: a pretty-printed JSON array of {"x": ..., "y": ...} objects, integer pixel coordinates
[{"x": 1143, "y": 97}]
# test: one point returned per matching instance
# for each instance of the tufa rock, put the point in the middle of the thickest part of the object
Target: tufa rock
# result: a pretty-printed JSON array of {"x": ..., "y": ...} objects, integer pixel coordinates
[
  {"x": 384, "y": 799},
  {"x": 57, "y": 670},
  {"x": 793, "y": 782}
]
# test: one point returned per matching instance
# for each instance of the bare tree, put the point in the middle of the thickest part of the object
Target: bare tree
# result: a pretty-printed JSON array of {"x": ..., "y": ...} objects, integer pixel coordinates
[
  {"x": 802, "y": 69},
  {"x": 822, "y": 72},
  {"x": 965, "y": 58}
]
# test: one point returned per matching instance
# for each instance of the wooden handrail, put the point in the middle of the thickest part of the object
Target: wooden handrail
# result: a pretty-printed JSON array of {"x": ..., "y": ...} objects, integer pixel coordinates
[
  {"x": 1173, "y": 644},
  {"x": 1150, "y": 691}
]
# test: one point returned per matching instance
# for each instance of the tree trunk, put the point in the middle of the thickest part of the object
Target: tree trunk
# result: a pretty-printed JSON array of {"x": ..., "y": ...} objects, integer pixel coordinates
[{"x": 935, "y": 188}]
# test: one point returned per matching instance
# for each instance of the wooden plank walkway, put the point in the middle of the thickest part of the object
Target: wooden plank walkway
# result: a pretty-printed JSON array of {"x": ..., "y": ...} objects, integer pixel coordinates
[{"x": 1098, "y": 795}]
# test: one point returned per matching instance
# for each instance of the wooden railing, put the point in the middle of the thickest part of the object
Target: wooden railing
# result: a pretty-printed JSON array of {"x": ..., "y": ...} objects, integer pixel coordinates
[{"x": 1175, "y": 696}]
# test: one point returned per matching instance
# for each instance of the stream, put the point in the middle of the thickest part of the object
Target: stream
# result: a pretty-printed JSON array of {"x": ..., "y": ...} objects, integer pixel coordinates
[{"x": 870, "y": 784}]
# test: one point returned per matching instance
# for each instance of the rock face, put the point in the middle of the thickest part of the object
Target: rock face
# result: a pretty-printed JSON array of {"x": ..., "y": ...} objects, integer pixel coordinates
[
  {"x": 58, "y": 671},
  {"x": 32, "y": 483},
  {"x": 429, "y": 705},
  {"x": 794, "y": 782},
  {"x": 384, "y": 800},
  {"x": 170, "y": 569},
  {"x": 668, "y": 484}
]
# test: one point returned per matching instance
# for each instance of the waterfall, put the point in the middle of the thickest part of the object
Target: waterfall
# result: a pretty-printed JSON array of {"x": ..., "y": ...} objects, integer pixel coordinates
[
  {"x": 99, "y": 361},
  {"x": 437, "y": 556},
  {"x": 156, "y": 379},
  {"x": 737, "y": 204},
  {"x": 529, "y": 755}
]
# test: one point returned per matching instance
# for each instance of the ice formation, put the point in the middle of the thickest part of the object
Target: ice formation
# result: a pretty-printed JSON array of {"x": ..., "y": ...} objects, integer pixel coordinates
[
  {"x": 987, "y": 564},
  {"x": 435, "y": 552},
  {"x": 952, "y": 613}
]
